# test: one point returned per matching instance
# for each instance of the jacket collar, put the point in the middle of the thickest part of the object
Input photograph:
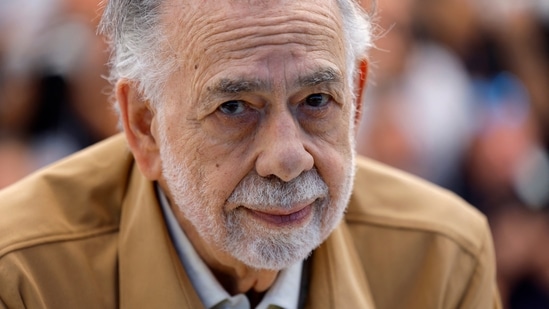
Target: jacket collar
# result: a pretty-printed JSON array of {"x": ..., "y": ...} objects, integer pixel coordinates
[
  {"x": 151, "y": 275},
  {"x": 337, "y": 277}
]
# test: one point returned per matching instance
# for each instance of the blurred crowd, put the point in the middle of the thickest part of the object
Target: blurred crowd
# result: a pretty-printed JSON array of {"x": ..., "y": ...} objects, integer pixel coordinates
[
  {"x": 53, "y": 98},
  {"x": 458, "y": 94}
]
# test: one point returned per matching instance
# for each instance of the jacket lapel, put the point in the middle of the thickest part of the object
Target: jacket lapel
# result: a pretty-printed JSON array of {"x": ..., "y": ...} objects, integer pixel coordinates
[
  {"x": 151, "y": 275},
  {"x": 337, "y": 277}
]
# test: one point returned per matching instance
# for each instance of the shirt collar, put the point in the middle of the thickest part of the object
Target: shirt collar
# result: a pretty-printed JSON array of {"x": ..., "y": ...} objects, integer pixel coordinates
[{"x": 283, "y": 293}]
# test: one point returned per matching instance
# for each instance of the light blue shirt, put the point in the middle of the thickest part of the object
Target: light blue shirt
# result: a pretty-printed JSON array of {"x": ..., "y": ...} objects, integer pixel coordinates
[{"x": 283, "y": 293}]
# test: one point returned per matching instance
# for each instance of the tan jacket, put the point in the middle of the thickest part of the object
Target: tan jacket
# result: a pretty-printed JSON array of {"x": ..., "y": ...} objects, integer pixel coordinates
[{"x": 88, "y": 233}]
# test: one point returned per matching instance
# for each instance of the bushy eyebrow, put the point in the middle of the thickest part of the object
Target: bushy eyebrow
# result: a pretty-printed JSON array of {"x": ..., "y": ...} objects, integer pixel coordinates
[
  {"x": 325, "y": 75},
  {"x": 246, "y": 85},
  {"x": 239, "y": 85}
]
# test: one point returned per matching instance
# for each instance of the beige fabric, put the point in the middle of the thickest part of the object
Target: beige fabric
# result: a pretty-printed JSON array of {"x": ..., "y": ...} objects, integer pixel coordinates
[{"x": 88, "y": 233}]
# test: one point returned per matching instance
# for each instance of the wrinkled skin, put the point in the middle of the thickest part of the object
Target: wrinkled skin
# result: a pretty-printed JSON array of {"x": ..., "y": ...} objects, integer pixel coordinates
[{"x": 261, "y": 93}]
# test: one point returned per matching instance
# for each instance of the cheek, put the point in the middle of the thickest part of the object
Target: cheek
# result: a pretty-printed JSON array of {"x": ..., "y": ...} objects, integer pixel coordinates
[
  {"x": 219, "y": 167},
  {"x": 334, "y": 163},
  {"x": 334, "y": 155},
  {"x": 231, "y": 131},
  {"x": 216, "y": 150}
]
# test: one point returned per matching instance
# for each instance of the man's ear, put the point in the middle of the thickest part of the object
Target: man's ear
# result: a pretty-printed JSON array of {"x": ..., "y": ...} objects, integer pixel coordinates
[
  {"x": 138, "y": 120},
  {"x": 360, "y": 88}
]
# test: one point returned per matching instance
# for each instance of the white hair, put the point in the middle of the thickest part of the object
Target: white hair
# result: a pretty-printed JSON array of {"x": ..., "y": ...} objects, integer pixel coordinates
[{"x": 140, "y": 54}]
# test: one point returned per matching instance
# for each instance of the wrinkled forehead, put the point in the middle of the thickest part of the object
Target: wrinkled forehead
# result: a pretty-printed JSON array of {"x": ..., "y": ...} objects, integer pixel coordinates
[
  {"x": 228, "y": 24},
  {"x": 206, "y": 8}
]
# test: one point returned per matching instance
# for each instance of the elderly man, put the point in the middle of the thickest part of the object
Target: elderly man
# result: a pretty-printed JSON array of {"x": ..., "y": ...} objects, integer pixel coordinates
[{"x": 232, "y": 185}]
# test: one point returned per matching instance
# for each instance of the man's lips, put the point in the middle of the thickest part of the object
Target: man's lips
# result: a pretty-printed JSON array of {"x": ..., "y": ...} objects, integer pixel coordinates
[{"x": 283, "y": 217}]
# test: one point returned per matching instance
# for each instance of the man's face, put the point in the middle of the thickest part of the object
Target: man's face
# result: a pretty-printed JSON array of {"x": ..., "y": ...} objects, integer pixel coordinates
[{"x": 255, "y": 134}]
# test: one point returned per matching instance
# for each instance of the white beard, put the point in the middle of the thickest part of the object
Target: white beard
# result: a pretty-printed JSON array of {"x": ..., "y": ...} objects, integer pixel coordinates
[{"x": 234, "y": 232}]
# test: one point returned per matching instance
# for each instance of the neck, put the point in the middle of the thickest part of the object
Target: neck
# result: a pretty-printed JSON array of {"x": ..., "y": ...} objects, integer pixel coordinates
[{"x": 244, "y": 280}]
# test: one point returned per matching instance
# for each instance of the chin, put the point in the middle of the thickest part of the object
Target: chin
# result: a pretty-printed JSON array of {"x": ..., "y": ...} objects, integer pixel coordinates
[{"x": 262, "y": 246}]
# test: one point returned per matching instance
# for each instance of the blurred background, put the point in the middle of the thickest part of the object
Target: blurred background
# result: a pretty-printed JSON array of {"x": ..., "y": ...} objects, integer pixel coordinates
[
  {"x": 53, "y": 98},
  {"x": 458, "y": 94}
]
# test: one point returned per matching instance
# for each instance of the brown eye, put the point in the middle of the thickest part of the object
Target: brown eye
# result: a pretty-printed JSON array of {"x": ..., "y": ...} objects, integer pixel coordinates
[
  {"x": 317, "y": 100},
  {"x": 232, "y": 107}
]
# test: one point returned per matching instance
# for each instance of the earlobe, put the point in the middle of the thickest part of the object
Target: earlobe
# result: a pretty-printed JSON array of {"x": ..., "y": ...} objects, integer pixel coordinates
[
  {"x": 360, "y": 89},
  {"x": 138, "y": 118}
]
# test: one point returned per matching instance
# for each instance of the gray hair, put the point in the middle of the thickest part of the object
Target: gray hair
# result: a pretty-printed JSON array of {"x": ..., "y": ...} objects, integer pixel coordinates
[{"x": 138, "y": 52}]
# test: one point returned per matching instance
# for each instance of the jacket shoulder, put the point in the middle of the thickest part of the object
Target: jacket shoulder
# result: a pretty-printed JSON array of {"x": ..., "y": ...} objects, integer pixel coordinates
[
  {"x": 392, "y": 199},
  {"x": 77, "y": 197}
]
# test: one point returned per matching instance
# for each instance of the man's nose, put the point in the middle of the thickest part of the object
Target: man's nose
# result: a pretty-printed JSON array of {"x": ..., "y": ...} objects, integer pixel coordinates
[{"x": 282, "y": 152}]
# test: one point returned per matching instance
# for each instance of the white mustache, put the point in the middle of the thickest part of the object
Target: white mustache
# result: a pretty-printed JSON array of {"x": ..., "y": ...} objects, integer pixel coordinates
[{"x": 268, "y": 192}]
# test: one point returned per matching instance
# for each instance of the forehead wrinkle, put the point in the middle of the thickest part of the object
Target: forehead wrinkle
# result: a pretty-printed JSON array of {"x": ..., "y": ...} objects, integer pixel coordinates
[
  {"x": 206, "y": 38},
  {"x": 209, "y": 33},
  {"x": 275, "y": 31}
]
